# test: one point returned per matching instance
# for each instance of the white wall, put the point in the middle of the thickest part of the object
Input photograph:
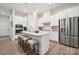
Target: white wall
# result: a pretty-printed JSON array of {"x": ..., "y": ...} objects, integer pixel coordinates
[{"x": 31, "y": 21}]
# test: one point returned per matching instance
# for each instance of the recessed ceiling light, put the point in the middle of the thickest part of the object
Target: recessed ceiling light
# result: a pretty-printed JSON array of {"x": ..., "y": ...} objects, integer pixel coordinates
[{"x": 49, "y": 3}]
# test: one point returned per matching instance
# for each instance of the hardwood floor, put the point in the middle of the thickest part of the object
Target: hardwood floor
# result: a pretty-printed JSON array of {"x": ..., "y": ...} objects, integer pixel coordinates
[
  {"x": 59, "y": 49},
  {"x": 8, "y": 47}
]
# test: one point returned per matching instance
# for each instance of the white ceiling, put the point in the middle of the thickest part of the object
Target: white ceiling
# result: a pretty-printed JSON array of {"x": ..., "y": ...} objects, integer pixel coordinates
[
  {"x": 22, "y": 7},
  {"x": 41, "y": 7}
]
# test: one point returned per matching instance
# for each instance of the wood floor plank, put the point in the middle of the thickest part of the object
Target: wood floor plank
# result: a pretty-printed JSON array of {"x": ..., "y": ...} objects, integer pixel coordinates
[
  {"x": 59, "y": 49},
  {"x": 8, "y": 47}
]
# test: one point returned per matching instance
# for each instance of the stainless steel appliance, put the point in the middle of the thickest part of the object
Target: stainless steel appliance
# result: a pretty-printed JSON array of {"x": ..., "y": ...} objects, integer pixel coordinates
[{"x": 68, "y": 31}]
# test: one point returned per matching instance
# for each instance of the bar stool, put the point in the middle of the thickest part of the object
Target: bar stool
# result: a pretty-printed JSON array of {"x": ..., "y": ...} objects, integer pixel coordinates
[
  {"x": 22, "y": 41},
  {"x": 19, "y": 40},
  {"x": 32, "y": 47}
]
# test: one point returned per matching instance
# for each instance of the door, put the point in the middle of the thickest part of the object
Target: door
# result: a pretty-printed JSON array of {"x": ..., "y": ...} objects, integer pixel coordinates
[
  {"x": 72, "y": 21},
  {"x": 71, "y": 41},
  {"x": 62, "y": 28},
  {"x": 75, "y": 25},
  {"x": 62, "y": 39},
  {"x": 4, "y": 25},
  {"x": 67, "y": 40},
  {"x": 75, "y": 42}
]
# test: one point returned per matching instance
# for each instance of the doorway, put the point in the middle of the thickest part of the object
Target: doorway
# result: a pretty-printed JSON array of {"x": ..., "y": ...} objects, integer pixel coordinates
[{"x": 4, "y": 26}]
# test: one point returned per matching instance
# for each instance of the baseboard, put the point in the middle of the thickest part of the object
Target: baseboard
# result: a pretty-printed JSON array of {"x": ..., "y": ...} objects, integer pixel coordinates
[
  {"x": 4, "y": 38},
  {"x": 53, "y": 41}
]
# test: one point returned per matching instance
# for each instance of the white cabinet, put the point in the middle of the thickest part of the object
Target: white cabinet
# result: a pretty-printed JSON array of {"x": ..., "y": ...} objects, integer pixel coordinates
[
  {"x": 78, "y": 10},
  {"x": 54, "y": 20},
  {"x": 71, "y": 12},
  {"x": 20, "y": 20},
  {"x": 54, "y": 36}
]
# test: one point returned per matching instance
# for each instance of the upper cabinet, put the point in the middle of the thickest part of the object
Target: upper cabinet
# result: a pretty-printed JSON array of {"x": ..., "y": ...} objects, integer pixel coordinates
[
  {"x": 78, "y": 10},
  {"x": 72, "y": 12},
  {"x": 20, "y": 20},
  {"x": 65, "y": 13}
]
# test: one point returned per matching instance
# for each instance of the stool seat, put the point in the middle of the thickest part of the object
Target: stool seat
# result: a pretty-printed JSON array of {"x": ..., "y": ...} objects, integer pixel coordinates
[
  {"x": 25, "y": 38},
  {"x": 32, "y": 46},
  {"x": 32, "y": 43},
  {"x": 22, "y": 40},
  {"x": 20, "y": 36}
]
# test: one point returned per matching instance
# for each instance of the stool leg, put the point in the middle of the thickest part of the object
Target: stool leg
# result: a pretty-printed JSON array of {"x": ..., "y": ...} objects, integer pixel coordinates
[
  {"x": 36, "y": 51},
  {"x": 25, "y": 47},
  {"x": 29, "y": 50}
]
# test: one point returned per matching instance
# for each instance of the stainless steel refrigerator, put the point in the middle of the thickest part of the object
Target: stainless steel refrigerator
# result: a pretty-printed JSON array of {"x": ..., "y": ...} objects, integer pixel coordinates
[{"x": 68, "y": 31}]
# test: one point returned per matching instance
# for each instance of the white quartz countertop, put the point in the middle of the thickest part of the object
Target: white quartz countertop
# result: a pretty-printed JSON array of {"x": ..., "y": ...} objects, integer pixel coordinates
[{"x": 40, "y": 33}]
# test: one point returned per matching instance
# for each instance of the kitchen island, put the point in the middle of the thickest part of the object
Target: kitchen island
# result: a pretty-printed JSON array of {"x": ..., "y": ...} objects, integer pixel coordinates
[{"x": 42, "y": 38}]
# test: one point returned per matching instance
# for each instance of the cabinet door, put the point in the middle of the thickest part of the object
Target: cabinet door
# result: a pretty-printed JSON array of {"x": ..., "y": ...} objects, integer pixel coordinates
[{"x": 75, "y": 41}]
